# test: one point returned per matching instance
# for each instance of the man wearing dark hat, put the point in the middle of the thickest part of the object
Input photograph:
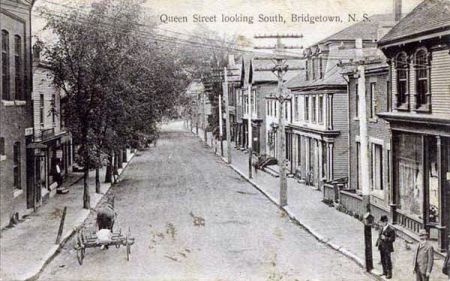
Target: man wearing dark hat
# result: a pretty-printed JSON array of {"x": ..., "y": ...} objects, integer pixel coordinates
[
  {"x": 385, "y": 245},
  {"x": 423, "y": 257}
]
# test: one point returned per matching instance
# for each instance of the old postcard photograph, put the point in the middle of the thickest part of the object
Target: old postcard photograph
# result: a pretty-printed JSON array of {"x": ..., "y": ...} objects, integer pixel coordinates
[{"x": 236, "y": 140}]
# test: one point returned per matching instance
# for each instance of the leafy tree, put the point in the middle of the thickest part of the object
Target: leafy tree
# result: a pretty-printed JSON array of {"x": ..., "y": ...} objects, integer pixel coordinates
[{"x": 118, "y": 85}]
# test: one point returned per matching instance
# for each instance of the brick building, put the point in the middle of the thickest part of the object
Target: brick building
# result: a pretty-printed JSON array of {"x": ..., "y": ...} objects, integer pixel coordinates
[{"x": 16, "y": 127}]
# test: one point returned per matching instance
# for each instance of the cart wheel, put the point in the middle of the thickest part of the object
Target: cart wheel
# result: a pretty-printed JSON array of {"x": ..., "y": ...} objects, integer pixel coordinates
[{"x": 128, "y": 246}]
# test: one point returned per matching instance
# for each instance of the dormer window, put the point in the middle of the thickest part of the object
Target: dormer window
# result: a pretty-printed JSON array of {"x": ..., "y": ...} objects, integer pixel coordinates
[
  {"x": 422, "y": 75},
  {"x": 402, "y": 79}
]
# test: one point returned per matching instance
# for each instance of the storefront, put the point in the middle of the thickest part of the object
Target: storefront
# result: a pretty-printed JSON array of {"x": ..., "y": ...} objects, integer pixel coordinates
[{"x": 420, "y": 197}]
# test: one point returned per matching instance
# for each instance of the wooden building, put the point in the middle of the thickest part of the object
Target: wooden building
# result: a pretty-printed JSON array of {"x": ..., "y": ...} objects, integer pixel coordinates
[
  {"x": 418, "y": 52},
  {"x": 51, "y": 141},
  {"x": 319, "y": 130}
]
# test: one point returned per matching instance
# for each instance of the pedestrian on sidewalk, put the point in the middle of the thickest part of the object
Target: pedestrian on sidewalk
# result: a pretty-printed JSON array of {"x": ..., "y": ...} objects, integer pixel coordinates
[
  {"x": 385, "y": 245},
  {"x": 446, "y": 266},
  {"x": 59, "y": 178},
  {"x": 423, "y": 257}
]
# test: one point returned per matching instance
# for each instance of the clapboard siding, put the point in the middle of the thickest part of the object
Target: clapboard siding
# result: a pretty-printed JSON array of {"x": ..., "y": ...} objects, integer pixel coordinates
[
  {"x": 340, "y": 123},
  {"x": 440, "y": 83},
  {"x": 42, "y": 84},
  {"x": 340, "y": 111}
]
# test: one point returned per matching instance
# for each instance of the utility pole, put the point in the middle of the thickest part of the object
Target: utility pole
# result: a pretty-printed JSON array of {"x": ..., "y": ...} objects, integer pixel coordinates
[
  {"x": 280, "y": 70},
  {"x": 364, "y": 156},
  {"x": 250, "y": 131},
  {"x": 364, "y": 142},
  {"x": 227, "y": 113},
  {"x": 197, "y": 118},
  {"x": 204, "y": 118},
  {"x": 220, "y": 125},
  {"x": 222, "y": 76}
]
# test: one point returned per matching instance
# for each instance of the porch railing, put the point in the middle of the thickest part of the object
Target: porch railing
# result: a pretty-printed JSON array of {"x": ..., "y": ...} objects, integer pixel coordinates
[{"x": 408, "y": 222}]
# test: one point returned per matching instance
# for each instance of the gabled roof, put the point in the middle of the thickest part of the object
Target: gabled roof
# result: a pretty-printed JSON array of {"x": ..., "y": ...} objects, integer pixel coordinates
[
  {"x": 332, "y": 72},
  {"x": 366, "y": 30},
  {"x": 428, "y": 17}
]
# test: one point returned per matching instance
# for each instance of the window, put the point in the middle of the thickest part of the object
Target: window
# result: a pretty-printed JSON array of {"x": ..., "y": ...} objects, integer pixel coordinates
[
  {"x": 276, "y": 108},
  {"x": 296, "y": 108},
  {"x": 402, "y": 79},
  {"x": 53, "y": 108},
  {"x": 358, "y": 165},
  {"x": 320, "y": 109},
  {"x": 306, "y": 70},
  {"x": 324, "y": 159},
  {"x": 313, "y": 69},
  {"x": 306, "y": 108},
  {"x": 421, "y": 65},
  {"x": 320, "y": 68},
  {"x": 313, "y": 107},
  {"x": 6, "y": 95},
  {"x": 372, "y": 101},
  {"x": 18, "y": 68},
  {"x": 389, "y": 95},
  {"x": 254, "y": 102},
  {"x": 377, "y": 167},
  {"x": 409, "y": 173},
  {"x": 16, "y": 165},
  {"x": 329, "y": 114},
  {"x": 286, "y": 110},
  {"x": 41, "y": 109},
  {"x": 2, "y": 146},
  {"x": 299, "y": 150},
  {"x": 388, "y": 169},
  {"x": 356, "y": 101}
]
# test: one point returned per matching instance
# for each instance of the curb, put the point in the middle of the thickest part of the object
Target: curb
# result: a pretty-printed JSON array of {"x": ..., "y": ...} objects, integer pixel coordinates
[
  {"x": 308, "y": 228},
  {"x": 55, "y": 250}
]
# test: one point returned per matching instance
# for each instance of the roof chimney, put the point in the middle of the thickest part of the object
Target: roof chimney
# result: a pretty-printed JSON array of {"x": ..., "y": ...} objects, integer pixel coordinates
[{"x": 397, "y": 10}]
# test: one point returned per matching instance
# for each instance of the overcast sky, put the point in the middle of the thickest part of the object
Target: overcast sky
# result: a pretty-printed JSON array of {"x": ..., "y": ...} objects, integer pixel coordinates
[{"x": 164, "y": 9}]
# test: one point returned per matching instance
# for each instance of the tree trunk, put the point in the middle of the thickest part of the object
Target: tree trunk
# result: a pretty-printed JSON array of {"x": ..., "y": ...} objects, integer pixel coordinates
[
  {"x": 86, "y": 196},
  {"x": 109, "y": 168},
  {"x": 115, "y": 167},
  {"x": 97, "y": 176},
  {"x": 119, "y": 159},
  {"x": 125, "y": 155},
  {"x": 97, "y": 180}
]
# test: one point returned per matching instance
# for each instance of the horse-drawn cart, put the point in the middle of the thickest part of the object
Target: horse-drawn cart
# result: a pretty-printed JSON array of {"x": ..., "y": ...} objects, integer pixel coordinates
[{"x": 88, "y": 239}]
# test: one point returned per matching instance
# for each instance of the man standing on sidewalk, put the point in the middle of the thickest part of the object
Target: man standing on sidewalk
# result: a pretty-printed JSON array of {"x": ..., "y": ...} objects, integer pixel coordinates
[
  {"x": 423, "y": 257},
  {"x": 59, "y": 178},
  {"x": 385, "y": 245}
]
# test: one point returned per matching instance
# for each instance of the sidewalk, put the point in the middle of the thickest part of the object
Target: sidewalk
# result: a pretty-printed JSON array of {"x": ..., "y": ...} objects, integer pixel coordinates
[
  {"x": 336, "y": 229},
  {"x": 30, "y": 245}
]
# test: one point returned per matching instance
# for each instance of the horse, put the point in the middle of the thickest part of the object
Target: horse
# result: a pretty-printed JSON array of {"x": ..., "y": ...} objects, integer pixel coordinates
[{"x": 106, "y": 215}]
